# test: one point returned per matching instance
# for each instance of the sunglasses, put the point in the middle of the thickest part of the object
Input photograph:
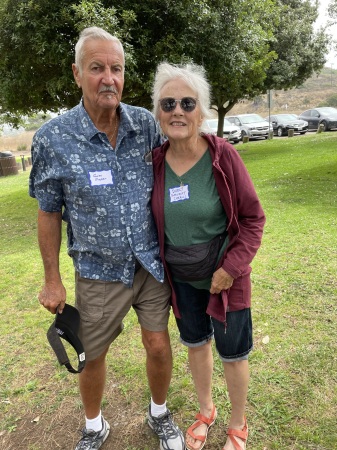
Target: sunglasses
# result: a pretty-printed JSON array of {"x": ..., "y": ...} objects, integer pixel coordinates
[{"x": 169, "y": 104}]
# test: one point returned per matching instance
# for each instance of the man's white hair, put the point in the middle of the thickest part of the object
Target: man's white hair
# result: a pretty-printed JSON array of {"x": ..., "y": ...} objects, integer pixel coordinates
[{"x": 89, "y": 34}]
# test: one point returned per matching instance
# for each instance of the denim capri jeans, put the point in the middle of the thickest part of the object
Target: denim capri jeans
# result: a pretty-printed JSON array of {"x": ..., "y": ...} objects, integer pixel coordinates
[{"x": 196, "y": 327}]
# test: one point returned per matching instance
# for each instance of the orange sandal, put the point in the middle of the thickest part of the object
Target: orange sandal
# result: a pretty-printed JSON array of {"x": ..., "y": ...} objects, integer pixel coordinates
[
  {"x": 201, "y": 420},
  {"x": 233, "y": 434}
]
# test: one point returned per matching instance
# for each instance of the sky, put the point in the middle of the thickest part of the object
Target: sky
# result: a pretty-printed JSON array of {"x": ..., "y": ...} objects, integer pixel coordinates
[{"x": 321, "y": 21}]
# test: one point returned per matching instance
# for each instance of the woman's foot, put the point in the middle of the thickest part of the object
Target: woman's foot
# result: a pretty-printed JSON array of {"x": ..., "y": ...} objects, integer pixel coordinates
[
  {"x": 196, "y": 434},
  {"x": 237, "y": 438}
]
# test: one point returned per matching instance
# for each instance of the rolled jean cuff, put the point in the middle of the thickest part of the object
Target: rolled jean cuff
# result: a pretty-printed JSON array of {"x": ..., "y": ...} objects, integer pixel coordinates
[{"x": 197, "y": 344}]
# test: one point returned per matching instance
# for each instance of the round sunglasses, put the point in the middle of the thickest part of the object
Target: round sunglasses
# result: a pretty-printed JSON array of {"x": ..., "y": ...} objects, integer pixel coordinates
[{"x": 169, "y": 104}]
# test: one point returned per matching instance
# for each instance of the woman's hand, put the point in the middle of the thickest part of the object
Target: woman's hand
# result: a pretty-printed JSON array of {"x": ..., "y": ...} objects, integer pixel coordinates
[{"x": 221, "y": 280}]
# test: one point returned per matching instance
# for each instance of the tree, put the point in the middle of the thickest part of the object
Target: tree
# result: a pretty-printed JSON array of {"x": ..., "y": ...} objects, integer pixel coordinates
[
  {"x": 300, "y": 51},
  {"x": 236, "y": 41},
  {"x": 228, "y": 38},
  {"x": 37, "y": 40},
  {"x": 332, "y": 12},
  {"x": 233, "y": 47},
  {"x": 285, "y": 53}
]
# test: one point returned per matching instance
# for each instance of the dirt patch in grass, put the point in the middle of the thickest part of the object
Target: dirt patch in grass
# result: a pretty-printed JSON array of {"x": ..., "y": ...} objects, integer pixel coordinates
[
  {"x": 59, "y": 429},
  {"x": 53, "y": 424}
]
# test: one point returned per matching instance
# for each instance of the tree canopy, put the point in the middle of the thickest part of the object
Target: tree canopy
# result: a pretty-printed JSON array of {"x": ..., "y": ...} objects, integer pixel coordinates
[
  {"x": 246, "y": 47},
  {"x": 332, "y": 12},
  {"x": 299, "y": 50}
]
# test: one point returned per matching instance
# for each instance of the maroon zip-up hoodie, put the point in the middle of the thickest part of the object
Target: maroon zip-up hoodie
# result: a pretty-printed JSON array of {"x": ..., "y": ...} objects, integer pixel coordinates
[{"x": 245, "y": 221}]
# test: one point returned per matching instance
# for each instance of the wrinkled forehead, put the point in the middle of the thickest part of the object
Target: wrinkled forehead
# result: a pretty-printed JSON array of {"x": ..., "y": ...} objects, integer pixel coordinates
[{"x": 102, "y": 50}]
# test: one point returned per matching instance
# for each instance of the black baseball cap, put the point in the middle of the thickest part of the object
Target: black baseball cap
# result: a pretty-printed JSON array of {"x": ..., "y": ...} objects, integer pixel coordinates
[{"x": 66, "y": 326}]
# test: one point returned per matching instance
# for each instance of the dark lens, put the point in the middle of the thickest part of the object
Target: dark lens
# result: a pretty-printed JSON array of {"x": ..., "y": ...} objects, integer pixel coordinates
[
  {"x": 188, "y": 104},
  {"x": 168, "y": 104}
]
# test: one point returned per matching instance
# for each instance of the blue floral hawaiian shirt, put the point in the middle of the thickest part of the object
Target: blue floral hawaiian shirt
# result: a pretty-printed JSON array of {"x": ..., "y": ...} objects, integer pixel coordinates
[{"x": 104, "y": 192}]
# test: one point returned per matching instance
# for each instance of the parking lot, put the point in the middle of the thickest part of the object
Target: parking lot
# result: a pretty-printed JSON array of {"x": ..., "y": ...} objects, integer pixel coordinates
[{"x": 309, "y": 132}]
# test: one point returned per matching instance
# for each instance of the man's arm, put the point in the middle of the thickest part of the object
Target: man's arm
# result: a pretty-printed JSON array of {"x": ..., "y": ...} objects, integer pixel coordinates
[{"x": 53, "y": 293}]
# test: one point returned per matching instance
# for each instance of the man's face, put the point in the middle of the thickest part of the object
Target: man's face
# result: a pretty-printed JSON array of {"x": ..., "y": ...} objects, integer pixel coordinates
[{"x": 102, "y": 76}]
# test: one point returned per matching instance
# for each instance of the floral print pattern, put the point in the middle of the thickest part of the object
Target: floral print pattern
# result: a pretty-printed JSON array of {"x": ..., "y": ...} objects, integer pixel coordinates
[{"x": 104, "y": 193}]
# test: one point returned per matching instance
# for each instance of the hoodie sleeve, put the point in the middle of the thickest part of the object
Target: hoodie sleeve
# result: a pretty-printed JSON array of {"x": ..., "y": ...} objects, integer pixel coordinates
[{"x": 246, "y": 218}]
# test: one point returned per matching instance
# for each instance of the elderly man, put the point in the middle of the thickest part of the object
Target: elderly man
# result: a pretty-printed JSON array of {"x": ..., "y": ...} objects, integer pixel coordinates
[{"x": 92, "y": 168}]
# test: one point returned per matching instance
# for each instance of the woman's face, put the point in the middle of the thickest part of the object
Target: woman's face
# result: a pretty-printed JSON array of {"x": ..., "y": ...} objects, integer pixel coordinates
[{"x": 179, "y": 124}]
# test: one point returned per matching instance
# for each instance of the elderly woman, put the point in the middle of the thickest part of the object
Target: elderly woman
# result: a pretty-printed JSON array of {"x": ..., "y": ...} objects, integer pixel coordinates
[{"x": 210, "y": 225}]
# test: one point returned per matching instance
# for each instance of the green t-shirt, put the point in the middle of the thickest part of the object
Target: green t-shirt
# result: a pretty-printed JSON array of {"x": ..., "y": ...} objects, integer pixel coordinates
[{"x": 193, "y": 211}]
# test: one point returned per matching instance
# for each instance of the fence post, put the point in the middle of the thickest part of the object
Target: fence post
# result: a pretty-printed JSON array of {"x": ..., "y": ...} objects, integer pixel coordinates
[
  {"x": 23, "y": 163},
  {"x": 320, "y": 129}
]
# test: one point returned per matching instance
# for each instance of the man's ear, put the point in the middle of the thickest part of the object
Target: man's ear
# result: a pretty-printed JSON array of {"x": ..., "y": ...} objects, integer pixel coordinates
[{"x": 76, "y": 74}]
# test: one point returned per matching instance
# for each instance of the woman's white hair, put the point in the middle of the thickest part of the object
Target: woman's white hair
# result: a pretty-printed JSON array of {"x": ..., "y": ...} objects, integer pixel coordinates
[
  {"x": 193, "y": 75},
  {"x": 88, "y": 34}
]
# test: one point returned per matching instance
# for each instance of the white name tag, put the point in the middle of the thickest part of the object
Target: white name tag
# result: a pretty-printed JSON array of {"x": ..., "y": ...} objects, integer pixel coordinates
[
  {"x": 177, "y": 194},
  {"x": 101, "y": 178}
]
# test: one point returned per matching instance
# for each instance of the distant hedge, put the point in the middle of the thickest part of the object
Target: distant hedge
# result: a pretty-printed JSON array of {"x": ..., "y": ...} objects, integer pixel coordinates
[{"x": 330, "y": 101}]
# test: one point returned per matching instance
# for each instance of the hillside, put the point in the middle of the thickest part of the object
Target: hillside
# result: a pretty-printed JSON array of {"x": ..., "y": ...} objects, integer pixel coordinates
[{"x": 313, "y": 92}]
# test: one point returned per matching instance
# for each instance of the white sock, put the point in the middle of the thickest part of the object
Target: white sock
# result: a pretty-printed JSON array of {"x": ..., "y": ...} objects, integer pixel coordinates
[
  {"x": 94, "y": 424},
  {"x": 157, "y": 410}
]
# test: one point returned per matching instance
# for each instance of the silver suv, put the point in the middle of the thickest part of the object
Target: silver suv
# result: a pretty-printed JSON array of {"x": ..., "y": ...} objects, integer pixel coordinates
[{"x": 251, "y": 125}]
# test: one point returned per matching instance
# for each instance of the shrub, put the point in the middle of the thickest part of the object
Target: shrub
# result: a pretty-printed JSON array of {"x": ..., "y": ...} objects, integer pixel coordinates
[
  {"x": 22, "y": 148},
  {"x": 330, "y": 101}
]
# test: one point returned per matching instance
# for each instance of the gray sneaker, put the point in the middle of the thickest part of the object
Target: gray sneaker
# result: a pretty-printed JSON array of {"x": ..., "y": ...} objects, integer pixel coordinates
[
  {"x": 170, "y": 437},
  {"x": 92, "y": 440}
]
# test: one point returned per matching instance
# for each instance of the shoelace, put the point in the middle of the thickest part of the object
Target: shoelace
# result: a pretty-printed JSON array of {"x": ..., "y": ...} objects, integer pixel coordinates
[
  {"x": 89, "y": 436},
  {"x": 165, "y": 425},
  {"x": 90, "y": 433}
]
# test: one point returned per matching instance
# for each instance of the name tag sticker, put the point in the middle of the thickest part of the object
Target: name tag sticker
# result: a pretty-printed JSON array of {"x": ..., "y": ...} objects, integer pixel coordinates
[
  {"x": 177, "y": 194},
  {"x": 101, "y": 178}
]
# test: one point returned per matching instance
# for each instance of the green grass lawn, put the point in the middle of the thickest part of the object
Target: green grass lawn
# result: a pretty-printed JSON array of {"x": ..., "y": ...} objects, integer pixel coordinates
[{"x": 292, "y": 402}]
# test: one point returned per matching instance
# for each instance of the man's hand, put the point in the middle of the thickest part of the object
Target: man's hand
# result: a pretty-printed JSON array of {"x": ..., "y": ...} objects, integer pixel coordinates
[
  {"x": 221, "y": 281},
  {"x": 53, "y": 297}
]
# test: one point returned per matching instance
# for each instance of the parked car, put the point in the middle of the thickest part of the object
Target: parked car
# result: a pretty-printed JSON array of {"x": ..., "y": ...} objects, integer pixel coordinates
[
  {"x": 326, "y": 116},
  {"x": 283, "y": 122},
  {"x": 230, "y": 131},
  {"x": 251, "y": 125}
]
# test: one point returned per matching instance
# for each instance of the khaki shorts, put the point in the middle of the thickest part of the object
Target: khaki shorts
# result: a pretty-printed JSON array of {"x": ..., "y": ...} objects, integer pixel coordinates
[{"x": 103, "y": 306}]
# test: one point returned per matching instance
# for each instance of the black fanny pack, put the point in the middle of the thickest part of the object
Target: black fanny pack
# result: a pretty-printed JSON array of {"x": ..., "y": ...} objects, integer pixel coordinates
[{"x": 194, "y": 262}]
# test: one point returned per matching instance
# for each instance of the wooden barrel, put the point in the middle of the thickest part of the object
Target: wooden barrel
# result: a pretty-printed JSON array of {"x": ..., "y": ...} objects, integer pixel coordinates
[{"x": 8, "y": 166}]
